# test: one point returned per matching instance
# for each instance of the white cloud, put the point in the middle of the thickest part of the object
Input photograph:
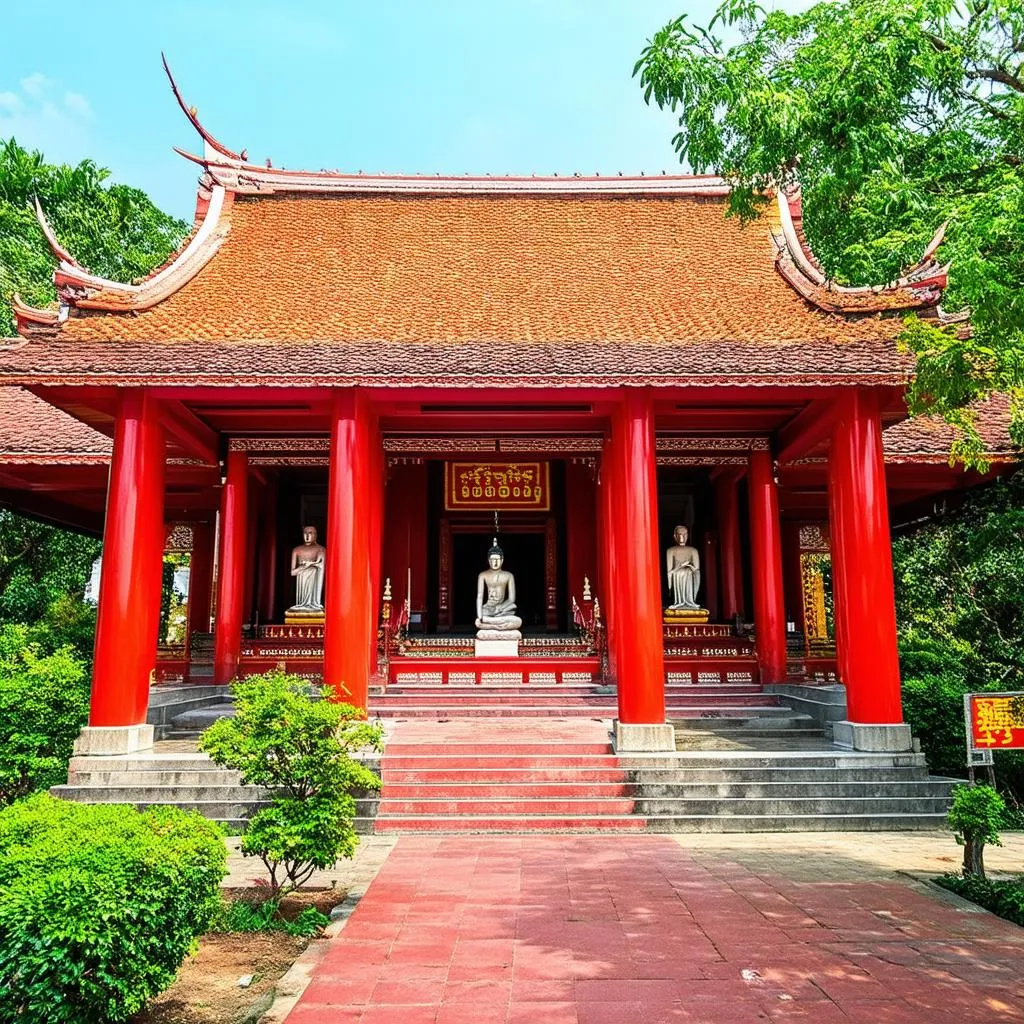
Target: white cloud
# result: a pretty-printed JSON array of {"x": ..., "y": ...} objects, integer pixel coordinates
[
  {"x": 77, "y": 104},
  {"x": 42, "y": 115},
  {"x": 35, "y": 85}
]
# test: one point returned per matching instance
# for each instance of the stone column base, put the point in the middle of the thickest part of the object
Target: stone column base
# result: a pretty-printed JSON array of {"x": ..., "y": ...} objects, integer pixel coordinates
[
  {"x": 105, "y": 740},
  {"x": 642, "y": 739},
  {"x": 883, "y": 739}
]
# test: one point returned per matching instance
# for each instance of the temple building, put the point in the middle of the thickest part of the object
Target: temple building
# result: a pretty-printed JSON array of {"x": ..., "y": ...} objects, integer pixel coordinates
[{"x": 422, "y": 369}]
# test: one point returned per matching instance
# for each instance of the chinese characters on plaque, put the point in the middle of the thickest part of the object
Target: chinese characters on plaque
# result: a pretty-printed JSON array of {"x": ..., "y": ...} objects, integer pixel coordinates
[
  {"x": 996, "y": 721},
  {"x": 501, "y": 486}
]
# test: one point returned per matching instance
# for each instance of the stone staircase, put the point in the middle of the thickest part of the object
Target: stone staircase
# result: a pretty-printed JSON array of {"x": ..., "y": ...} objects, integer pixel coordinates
[
  {"x": 786, "y": 791},
  {"x": 515, "y": 787}
]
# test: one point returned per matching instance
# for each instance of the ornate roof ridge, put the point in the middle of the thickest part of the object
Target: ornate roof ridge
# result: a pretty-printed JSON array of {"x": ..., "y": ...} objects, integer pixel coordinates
[
  {"x": 920, "y": 287},
  {"x": 80, "y": 289}
]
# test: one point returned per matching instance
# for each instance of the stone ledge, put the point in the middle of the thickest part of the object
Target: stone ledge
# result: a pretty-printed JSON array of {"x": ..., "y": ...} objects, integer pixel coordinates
[
  {"x": 894, "y": 738},
  {"x": 631, "y": 738},
  {"x": 103, "y": 740}
]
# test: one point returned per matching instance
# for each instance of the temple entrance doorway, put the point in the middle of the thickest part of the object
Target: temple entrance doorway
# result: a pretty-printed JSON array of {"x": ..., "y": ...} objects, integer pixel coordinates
[{"x": 524, "y": 558}]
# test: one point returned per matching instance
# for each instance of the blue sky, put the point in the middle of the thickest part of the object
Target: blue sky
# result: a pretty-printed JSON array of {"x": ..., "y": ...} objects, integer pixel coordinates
[{"x": 452, "y": 86}]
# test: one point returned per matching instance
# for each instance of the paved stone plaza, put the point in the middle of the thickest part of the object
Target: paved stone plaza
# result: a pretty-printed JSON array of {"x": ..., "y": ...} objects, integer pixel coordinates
[{"x": 731, "y": 928}]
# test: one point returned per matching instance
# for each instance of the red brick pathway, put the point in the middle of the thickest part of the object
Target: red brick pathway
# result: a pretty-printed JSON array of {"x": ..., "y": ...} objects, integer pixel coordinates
[{"x": 585, "y": 930}]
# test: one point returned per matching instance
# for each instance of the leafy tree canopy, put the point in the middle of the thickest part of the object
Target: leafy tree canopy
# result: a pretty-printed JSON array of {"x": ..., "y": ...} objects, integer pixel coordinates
[
  {"x": 895, "y": 116},
  {"x": 114, "y": 230}
]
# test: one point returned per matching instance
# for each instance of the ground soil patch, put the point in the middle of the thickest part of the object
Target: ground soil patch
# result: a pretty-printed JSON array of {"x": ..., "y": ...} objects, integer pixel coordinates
[{"x": 206, "y": 990}]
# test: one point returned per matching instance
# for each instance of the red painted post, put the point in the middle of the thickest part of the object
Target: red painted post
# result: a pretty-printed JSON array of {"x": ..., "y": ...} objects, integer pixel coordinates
[
  {"x": 133, "y": 544},
  {"x": 234, "y": 529},
  {"x": 200, "y": 580},
  {"x": 766, "y": 555},
  {"x": 637, "y": 583},
  {"x": 375, "y": 528},
  {"x": 727, "y": 504},
  {"x": 862, "y": 547},
  {"x": 609, "y": 577},
  {"x": 350, "y": 620}
]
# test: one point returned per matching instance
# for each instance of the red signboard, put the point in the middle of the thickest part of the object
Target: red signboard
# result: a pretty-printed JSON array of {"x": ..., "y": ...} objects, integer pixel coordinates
[
  {"x": 501, "y": 486},
  {"x": 996, "y": 721}
]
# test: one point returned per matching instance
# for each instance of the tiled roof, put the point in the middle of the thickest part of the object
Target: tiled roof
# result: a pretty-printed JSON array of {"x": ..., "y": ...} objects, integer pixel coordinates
[
  {"x": 928, "y": 436},
  {"x": 32, "y": 430},
  {"x": 485, "y": 268},
  {"x": 443, "y": 364}
]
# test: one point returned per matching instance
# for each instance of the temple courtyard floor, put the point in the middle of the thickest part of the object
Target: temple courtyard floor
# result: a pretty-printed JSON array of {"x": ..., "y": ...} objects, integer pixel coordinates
[{"x": 732, "y": 928}]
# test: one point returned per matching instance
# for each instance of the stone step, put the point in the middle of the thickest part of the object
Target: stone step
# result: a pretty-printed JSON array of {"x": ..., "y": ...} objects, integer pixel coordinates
[
  {"x": 192, "y": 778},
  {"x": 798, "y": 823},
  {"x": 724, "y": 776},
  {"x": 879, "y": 803},
  {"x": 776, "y": 760}
]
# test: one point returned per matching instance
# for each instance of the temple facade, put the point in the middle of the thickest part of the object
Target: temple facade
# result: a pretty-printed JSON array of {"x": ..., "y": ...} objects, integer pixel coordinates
[{"x": 414, "y": 367}]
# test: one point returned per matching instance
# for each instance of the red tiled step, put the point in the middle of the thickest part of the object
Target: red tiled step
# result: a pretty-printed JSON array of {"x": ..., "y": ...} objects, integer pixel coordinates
[
  {"x": 509, "y": 804},
  {"x": 501, "y": 776},
  {"x": 502, "y": 760},
  {"x": 451, "y": 790},
  {"x": 512, "y": 823},
  {"x": 489, "y": 750}
]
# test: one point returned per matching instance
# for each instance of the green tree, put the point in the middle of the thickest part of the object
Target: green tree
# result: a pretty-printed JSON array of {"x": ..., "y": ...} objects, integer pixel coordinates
[
  {"x": 894, "y": 116},
  {"x": 113, "y": 230},
  {"x": 299, "y": 744},
  {"x": 40, "y": 567}
]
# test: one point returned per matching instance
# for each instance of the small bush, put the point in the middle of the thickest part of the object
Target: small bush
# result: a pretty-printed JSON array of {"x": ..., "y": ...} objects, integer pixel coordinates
[
  {"x": 99, "y": 905},
  {"x": 298, "y": 744},
  {"x": 244, "y": 916},
  {"x": 974, "y": 818},
  {"x": 44, "y": 702},
  {"x": 1004, "y": 898}
]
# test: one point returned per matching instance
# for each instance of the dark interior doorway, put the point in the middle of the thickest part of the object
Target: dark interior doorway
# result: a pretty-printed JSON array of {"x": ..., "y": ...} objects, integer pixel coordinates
[{"x": 524, "y": 558}]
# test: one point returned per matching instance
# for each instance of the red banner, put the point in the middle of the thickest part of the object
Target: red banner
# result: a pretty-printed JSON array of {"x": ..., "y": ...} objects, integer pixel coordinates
[
  {"x": 501, "y": 486},
  {"x": 996, "y": 721}
]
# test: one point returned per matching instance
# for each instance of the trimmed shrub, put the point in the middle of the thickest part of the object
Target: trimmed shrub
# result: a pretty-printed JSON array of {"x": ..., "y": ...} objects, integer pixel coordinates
[
  {"x": 44, "y": 702},
  {"x": 299, "y": 744},
  {"x": 1005, "y": 898},
  {"x": 974, "y": 819},
  {"x": 99, "y": 906}
]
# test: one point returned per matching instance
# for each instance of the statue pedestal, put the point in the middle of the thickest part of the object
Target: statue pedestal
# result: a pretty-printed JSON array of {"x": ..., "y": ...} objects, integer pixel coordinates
[
  {"x": 505, "y": 647},
  {"x": 302, "y": 617},
  {"x": 685, "y": 616}
]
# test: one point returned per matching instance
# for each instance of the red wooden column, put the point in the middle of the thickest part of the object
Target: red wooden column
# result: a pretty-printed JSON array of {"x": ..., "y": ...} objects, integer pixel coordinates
[
  {"x": 234, "y": 530},
  {"x": 637, "y": 633},
  {"x": 766, "y": 554},
  {"x": 350, "y": 617},
  {"x": 200, "y": 578},
  {"x": 607, "y": 577},
  {"x": 129, "y": 604},
  {"x": 862, "y": 555},
  {"x": 375, "y": 533},
  {"x": 731, "y": 559}
]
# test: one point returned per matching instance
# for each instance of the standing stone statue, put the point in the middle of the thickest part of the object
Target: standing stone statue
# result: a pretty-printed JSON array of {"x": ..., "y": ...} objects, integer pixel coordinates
[
  {"x": 308, "y": 570},
  {"x": 683, "y": 566}
]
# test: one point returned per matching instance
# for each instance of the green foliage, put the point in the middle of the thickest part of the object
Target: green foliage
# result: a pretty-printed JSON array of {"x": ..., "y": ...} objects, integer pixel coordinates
[
  {"x": 896, "y": 116},
  {"x": 44, "y": 702},
  {"x": 246, "y": 916},
  {"x": 1005, "y": 898},
  {"x": 38, "y": 565},
  {"x": 99, "y": 905},
  {"x": 974, "y": 820},
  {"x": 299, "y": 744},
  {"x": 114, "y": 230},
  {"x": 958, "y": 586}
]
